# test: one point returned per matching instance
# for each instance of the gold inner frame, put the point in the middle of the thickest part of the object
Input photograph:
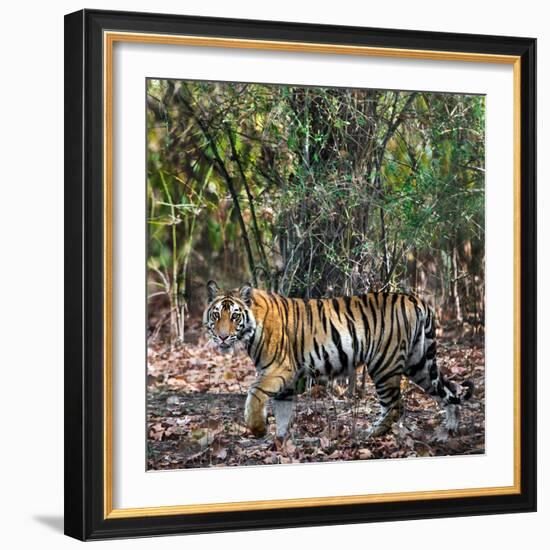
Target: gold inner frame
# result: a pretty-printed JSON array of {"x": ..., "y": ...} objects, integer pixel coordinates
[{"x": 109, "y": 39}]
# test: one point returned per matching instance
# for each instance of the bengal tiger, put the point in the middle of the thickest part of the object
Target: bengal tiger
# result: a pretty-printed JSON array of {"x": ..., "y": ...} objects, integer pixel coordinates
[{"x": 392, "y": 334}]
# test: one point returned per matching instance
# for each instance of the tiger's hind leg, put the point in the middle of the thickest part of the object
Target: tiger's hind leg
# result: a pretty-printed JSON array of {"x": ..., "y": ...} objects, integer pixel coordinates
[
  {"x": 388, "y": 389},
  {"x": 422, "y": 369}
]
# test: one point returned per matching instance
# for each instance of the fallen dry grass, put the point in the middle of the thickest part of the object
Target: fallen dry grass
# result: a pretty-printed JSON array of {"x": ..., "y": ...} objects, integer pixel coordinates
[{"x": 196, "y": 399}]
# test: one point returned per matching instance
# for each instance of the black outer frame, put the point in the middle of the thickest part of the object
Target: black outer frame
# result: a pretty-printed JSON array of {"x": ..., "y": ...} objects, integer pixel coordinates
[{"x": 84, "y": 518}]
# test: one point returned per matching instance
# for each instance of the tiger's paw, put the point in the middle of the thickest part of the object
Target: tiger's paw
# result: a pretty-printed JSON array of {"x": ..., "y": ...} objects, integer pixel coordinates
[
  {"x": 385, "y": 422},
  {"x": 258, "y": 430},
  {"x": 255, "y": 417},
  {"x": 279, "y": 443},
  {"x": 378, "y": 430},
  {"x": 441, "y": 434},
  {"x": 256, "y": 425}
]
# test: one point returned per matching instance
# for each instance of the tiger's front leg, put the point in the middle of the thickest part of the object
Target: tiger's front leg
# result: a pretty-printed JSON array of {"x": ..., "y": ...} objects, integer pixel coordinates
[
  {"x": 270, "y": 385},
  {"x": 283, "y": 409}
]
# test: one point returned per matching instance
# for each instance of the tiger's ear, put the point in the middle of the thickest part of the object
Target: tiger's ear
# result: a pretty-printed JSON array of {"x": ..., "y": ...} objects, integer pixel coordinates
[
  {"x": 212, "y": 290},
  {"x": 245, "y": 294}
]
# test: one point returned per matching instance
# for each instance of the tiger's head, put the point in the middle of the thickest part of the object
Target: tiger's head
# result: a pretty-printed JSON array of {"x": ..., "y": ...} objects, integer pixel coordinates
[{"x": 228, "y": 318}]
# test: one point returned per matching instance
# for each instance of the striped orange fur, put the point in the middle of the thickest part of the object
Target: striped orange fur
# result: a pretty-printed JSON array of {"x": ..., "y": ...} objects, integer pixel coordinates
[{"x": 392, "y": 334}]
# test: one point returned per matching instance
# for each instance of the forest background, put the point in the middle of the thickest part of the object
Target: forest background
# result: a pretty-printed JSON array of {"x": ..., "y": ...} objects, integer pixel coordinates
[{"x": 310, "y": 192}]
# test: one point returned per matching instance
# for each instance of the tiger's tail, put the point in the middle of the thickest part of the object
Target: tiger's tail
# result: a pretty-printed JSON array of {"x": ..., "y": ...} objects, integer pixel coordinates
[{"x": 424, "y": 371}]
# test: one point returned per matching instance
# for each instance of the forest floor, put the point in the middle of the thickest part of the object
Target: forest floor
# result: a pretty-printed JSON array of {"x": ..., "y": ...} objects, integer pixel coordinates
[{"x": 195, "y": 407}]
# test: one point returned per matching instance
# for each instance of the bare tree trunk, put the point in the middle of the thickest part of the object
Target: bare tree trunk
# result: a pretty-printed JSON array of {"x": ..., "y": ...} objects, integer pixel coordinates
[
  {"x": 394, "y": 122},
  {"x": 456, "y": 296},
  {"x": 230, "y": 186},
  {"x": 415, "y": 268},
  {"x": 386, "y": 267},
  {"x": 255, "y": 228}
]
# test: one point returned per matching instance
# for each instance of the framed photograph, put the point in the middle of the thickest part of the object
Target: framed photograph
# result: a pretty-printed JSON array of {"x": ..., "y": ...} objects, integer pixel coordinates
[{"x": 300, "y": 274}]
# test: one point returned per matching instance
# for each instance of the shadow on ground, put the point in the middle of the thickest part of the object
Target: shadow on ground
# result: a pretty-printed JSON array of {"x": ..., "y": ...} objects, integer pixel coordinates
[{"x": 55, "y": 523}]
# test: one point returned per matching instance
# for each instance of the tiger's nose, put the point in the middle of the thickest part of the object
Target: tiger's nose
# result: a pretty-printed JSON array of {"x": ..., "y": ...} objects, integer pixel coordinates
[{"x": 223, "y": 336}]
